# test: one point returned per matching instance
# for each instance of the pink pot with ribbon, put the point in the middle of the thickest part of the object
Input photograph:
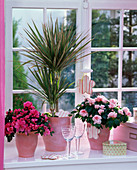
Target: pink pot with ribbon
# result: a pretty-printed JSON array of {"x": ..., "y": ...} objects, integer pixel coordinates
[{"x": 97, "y": 136}]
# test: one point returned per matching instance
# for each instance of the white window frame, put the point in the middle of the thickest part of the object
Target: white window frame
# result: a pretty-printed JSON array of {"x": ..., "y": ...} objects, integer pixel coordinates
[
  {"x": 100, "y": 5},
  {"x": 9, "y": 49},
  {"x": 84, "y": 8}
]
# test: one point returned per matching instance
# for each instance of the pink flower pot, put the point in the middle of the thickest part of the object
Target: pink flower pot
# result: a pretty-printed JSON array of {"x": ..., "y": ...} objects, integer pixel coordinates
[
  {"x": 96, "y": 144},
  {"x": 26, "y": 145},
  {"x": 56, "y": 143}
]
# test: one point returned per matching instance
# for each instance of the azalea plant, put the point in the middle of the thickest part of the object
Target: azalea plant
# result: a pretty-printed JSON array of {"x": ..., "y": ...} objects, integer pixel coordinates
[
  {"x": 100, "y": 111},
  {"x": 25, "y": 121}
]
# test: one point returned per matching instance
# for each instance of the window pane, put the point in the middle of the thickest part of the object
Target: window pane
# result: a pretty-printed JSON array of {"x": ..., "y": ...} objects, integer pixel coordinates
[
  {"x": 68, "y": 16},
  {"x": 129, "y": 99},
  {"x": 108, "y": 95},
  {"x": 19, "y": 99},
  {"x": 21, "y": 73},
  {"x": 105, "y": 69},
  {"x": 129, "y": 69},
  {"x": 105, "y": 28},
  {"x": 20, "y": 18},
  {"x": 66, "y": 102},
  {"x": 130, "y": 28}
]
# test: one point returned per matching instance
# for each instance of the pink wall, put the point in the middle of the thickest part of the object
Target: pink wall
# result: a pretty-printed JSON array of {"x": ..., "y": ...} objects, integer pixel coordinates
[{"x": 2, "y": 81}]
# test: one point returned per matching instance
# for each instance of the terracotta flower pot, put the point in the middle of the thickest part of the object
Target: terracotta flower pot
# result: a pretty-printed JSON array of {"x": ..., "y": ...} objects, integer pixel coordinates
[
  {"x": 26, "y": 145},
  {"x": 56, "y": 143},
  {"x": 96, "y": 144}
]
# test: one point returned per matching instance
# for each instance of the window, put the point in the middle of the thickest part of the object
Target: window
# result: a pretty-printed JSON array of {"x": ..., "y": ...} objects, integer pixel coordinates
[
  {"x": 113, "y": 48},
  {"x": 19, "y": 91},
  {"x": 114, "y": 54}
]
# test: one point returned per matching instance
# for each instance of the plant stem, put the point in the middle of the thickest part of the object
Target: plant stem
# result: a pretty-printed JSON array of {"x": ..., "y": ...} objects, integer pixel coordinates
[{"x": 57, "y": 109}]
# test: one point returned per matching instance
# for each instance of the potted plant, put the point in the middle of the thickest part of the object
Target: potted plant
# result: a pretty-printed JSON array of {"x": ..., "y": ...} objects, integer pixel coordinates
[
  {"x": 50, "y": 53},
  {"x": 26, "y": 124},
  {"x": 101, "y": 115}
]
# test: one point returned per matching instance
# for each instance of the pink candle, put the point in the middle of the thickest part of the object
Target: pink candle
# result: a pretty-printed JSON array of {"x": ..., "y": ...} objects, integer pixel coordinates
[{"x": 2, "y": 81}]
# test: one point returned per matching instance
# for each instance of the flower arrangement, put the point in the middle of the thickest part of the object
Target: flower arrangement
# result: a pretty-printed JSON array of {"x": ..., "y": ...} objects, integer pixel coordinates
[
  {"x": 25, "y": 121},
  {"x": 101, "y": 111}
]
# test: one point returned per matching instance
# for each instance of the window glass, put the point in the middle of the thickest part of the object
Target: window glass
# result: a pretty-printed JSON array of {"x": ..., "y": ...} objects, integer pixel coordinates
[
  {"x": 105, "y": 28},
  {"x": 129, "y": 78},
  {"x": 19, "y": 99},
  {"x": 66, "y": 102},
  {"x": 129, "y": 99},
  {"x": 108, "y": 95},
  {"x": 66, "y": 16},
  {"x": 21, "y": 73},
  {"x": 105, "y": 69},
  {"x": 130, "y": 28},
  {"x": 20, "y": 18}
]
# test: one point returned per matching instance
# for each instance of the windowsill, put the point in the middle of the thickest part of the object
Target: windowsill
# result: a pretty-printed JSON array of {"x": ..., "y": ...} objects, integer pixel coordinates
[{"x": 89, "y": 158}]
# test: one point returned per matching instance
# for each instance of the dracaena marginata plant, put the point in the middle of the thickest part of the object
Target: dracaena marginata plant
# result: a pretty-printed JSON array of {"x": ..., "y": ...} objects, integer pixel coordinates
[{"x": 50, "y": 52}]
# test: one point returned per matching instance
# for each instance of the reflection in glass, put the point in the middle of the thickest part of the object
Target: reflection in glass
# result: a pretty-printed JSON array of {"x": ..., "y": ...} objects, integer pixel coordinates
[
  {"x": 20, "y": 18},
  {"x": 129, "y": 69},
  {"x": 19, "y": 99},
  {"x": 105, "y": 28},
  {"x": 108, "y": 95},
  {"x": 130, "y": 28},
  {"x": 129, "y": 99},
  {"x": 105, "y": 66}
]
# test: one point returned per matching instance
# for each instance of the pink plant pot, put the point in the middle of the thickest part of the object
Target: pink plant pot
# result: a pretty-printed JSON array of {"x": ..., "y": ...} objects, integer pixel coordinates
[
  {"x": 26, "y": 145},
  {"x": 56, "y": 143},
  {"x": 96, "y": 144}
]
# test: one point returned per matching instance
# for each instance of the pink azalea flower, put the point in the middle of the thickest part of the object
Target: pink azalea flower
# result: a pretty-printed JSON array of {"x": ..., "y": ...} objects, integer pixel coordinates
[
  {"x": 98, "y": 98},
  {"x": 102, "y": 106},
  {"x": 46, "y": 118},
  {"x": 47, "y": 132},
  {"x": 91, "y": 101},
  {"x": 101, "y": 98},
  {"x": 125, "y": 109},
  {"x": 97, "y": 106},
  {"x": 114, "y": 101},
  {"x": 120, "y": 112},
  {"x": 20, "y": 125},
  {"x": 112, "y": 115},
  {"x": 111, "y": 105},
  {"x": 97, "y": 119},
  {"x": 27, "y": 105},
  {"x": 83, "y": 113},
  {"x": 100, "y": 111},
  {"x": 104, "y": 100},
  {"x": 27, "y": 130},
  {"x": 129, "y": 114}
]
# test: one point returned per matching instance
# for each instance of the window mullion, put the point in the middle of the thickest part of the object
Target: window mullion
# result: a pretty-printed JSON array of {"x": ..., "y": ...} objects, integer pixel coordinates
[{"x": 120, "y": 57}]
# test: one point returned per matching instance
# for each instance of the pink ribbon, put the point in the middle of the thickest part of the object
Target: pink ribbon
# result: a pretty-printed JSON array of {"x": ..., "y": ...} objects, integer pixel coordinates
[{"x": 2, "y": 82}]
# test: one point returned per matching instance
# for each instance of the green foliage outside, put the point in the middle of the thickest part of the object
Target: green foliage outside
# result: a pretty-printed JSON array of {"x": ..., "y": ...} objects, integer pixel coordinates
[{"x": 19, "y": 80}]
